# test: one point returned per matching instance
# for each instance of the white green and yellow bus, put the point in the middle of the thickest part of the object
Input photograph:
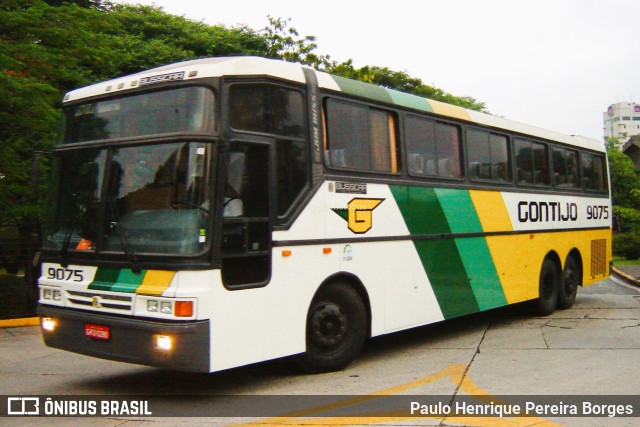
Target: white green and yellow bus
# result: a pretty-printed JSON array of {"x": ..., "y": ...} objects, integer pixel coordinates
[{"x": 219, "y": 212}]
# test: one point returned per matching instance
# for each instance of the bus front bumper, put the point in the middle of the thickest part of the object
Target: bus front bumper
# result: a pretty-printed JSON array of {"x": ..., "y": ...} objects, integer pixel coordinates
[{"x": 182, "y": 346}]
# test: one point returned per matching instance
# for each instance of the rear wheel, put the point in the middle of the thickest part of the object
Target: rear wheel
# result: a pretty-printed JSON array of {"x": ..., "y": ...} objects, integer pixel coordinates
[
  {"x": 571, "y": 279},
  {"x": 548, "y": 288},
  {"x": 336, "y": 329}
]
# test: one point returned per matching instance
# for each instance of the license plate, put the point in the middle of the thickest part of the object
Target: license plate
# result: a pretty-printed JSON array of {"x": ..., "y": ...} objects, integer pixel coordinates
[{"x": 97, "y": 332}]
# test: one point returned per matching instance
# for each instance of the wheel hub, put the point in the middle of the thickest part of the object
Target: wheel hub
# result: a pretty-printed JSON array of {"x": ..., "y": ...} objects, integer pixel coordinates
[{"x": 329, "y": 325}]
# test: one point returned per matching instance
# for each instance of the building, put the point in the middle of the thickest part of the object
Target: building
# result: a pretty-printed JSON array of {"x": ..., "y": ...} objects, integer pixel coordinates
[{"x": 622, "y": 120}]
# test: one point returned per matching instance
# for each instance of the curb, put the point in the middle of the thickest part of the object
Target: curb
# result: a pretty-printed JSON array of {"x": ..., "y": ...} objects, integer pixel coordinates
[
  {"x": 626, "y": 277},
  {"x": 14, "y": 323}
]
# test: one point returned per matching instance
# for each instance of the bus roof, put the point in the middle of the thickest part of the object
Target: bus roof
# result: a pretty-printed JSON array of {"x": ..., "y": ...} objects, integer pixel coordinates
[{"x": 256, "y": 66}]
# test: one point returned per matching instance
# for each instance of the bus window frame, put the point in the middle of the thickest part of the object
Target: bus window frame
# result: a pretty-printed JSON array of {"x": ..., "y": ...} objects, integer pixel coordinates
[{"x": 396, "y": 139}]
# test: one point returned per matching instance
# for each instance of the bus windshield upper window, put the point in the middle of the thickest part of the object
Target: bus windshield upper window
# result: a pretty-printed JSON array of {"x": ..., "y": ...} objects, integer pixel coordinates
[
  {"x": 266, "y": 108},
  {"x": 187, "y": 109}
]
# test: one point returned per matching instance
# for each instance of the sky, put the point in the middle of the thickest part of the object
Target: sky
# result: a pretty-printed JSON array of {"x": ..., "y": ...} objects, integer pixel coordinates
[{"x": 556, "y": 64}]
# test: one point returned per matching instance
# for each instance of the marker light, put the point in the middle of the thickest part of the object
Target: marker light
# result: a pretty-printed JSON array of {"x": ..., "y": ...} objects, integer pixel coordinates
[
  {"x": 48, "y": 324},
  {"x": 164, "y": 342},
  {"x": 46, "y": 293},
  {"x": 57, "y": 295},
  {"x": 152, "y": 305}
]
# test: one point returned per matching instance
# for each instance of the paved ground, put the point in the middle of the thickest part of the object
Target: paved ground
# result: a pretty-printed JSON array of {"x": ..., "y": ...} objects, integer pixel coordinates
[{"x": 590, "y": 349}]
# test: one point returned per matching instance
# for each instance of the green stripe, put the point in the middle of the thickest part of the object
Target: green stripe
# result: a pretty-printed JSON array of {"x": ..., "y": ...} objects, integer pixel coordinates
[
  {"x": 424, "y": 214},
  {"x": 476, "y": 257},
  {"x": 357, "y": 88},
  {"x": 410, "y": 101},
  {"x": 104, "y": 279},
  {"x": 128, "y": 281},
  {"x": 116, "y": 280}
]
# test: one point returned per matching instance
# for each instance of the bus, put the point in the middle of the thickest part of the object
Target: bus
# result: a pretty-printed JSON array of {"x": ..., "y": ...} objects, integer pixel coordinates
[{"x": 221, "y": 212}]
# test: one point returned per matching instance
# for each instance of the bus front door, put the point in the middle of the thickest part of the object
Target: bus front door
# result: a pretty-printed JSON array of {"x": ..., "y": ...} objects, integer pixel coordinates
[{"x": 246, "y": 225}]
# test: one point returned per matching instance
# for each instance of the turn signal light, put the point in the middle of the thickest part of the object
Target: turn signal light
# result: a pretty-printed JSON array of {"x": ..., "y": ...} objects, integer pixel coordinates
[{"x": 183, "y": 308}]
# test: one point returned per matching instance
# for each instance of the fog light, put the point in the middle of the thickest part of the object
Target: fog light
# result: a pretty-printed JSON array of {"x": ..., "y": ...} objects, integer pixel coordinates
[
  {"x": 57, "y": 296},
  {"x": 165, "y": 307},
  {"x": 47, "y": 293},
  {"x": 164, "y": 342},
  {"x": 152, "y": 305},
  {"x": 48, "y": 324}
]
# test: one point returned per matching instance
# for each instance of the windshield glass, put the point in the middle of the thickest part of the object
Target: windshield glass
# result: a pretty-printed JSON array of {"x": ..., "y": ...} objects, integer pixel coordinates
[
  {"x": 187, "y": 109},
  {"x": 144, "y": 199}
]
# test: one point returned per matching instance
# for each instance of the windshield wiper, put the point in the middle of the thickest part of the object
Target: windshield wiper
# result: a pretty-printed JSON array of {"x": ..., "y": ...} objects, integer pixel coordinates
[
  {"x": 64, "y": 250},
  {"x": 122, "y": 238}
]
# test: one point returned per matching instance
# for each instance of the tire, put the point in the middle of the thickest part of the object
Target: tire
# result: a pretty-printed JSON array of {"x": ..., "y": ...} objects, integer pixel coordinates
[
  {"x": 571, "y": 279},
  {"x": 336, "y": 329},
  {"x": 548, "y": 289}
]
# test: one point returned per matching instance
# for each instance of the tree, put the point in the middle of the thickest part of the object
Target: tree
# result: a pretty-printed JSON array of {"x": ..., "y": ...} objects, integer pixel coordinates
[{"x": 625, "y": 185}]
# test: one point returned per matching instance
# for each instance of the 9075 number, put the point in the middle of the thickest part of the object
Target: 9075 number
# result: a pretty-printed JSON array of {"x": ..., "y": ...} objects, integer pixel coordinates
[
  {"x": 597, "y": 212},
  {"x": 65, "y": 274}
]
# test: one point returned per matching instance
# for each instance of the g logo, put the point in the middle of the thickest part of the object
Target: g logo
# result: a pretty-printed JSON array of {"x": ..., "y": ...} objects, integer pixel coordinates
[
  {"x": 359, "y": 214},
  {"x": 95, "y": 302}
]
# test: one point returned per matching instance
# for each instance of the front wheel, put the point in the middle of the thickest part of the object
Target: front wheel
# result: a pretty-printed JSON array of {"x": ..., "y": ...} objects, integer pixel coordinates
[
  {"x": 336, "y": 329},
  {"x": 548, "y": 289}
]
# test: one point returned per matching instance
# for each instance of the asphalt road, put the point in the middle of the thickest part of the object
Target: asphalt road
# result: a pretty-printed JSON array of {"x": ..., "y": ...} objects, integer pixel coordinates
[{"x": 591, "y": 349}]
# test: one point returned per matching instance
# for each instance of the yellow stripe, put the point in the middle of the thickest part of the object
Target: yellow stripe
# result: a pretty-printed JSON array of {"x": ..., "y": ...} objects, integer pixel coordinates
[
  {"x": 13, "y": 323},
  {"x": 155, "y": 282},
  {"x": 491, "y": 210},
  {"x": 449, "y": 110}
]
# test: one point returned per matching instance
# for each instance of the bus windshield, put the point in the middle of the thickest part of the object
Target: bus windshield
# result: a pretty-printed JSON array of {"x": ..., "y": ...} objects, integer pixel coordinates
[
  {"x": 188, "y": 109},
  {"x": 142, "y": 199}
]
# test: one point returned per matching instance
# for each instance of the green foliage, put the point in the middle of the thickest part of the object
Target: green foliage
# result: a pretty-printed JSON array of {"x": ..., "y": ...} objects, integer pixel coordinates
[
  {"x": 626, "y": 199},
  {"x": 624, "y": 179},
  {"x": 284, "y": 42},
  {"x": 627, "y": 245}
]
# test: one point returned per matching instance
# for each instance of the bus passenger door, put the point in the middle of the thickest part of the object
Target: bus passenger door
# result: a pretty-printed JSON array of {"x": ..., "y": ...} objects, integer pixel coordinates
[{"x": 246, "y": 225}]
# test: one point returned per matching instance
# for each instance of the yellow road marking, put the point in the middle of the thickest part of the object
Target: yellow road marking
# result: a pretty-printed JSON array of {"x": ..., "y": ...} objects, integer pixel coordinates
[{"x": 455, "y": 373}]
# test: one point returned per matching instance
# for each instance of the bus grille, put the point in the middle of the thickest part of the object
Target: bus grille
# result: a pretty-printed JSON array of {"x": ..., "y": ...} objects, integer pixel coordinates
[
  {"x": 98, "y": 301},
  {"x": 598, "y": 257}
]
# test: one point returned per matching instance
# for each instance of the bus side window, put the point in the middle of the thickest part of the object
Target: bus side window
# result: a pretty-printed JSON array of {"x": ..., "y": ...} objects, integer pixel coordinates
[
  {"x": 531, "y": 162},
  {"x": 488, "y": 156},
  {"x": 593, "y": 172},
  {"x": 433, "y": 148},
  {"x": 360, "y": 138},
  {"x": 565, "y": 168}
]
